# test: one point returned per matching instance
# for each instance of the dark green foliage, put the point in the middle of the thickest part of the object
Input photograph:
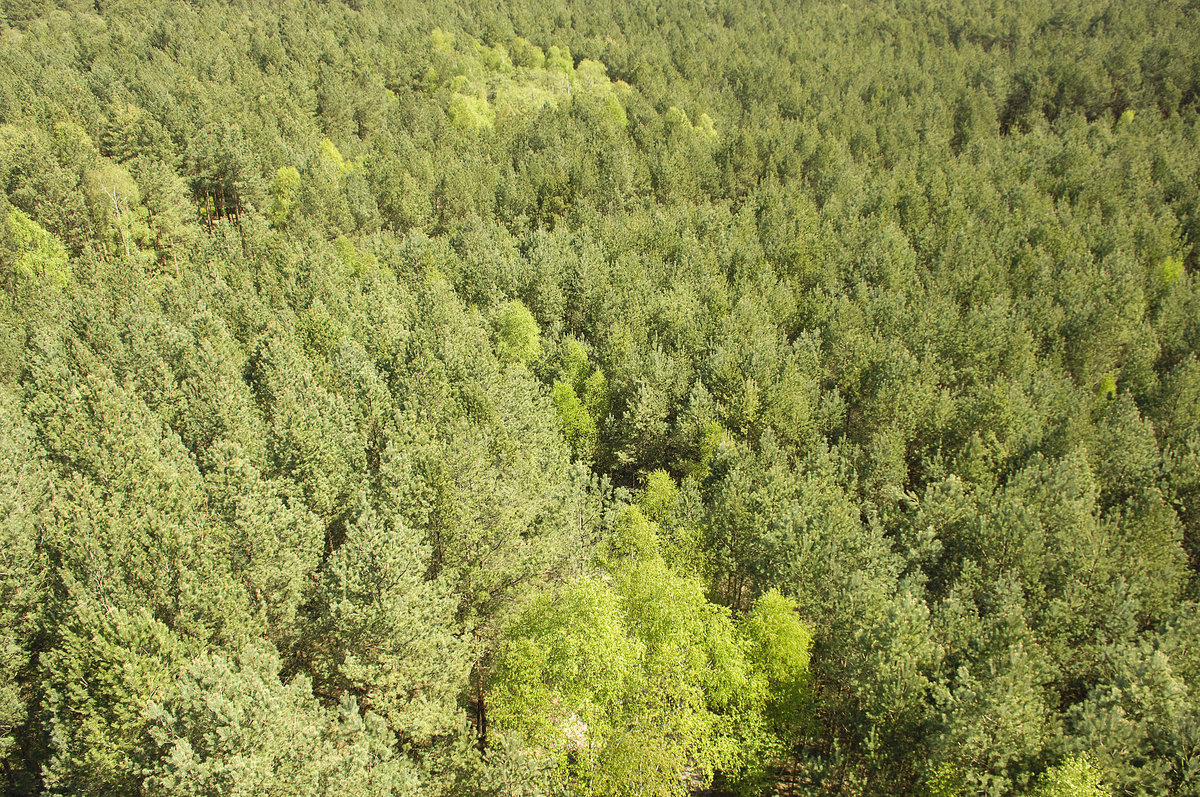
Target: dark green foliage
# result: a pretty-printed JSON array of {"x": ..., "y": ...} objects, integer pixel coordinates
[
  {"x": 440, "y": 398},
  {"x": 233, "y": 726},
  {"x": 381, "y": 632},
  {"x": 24, "y": 573}
]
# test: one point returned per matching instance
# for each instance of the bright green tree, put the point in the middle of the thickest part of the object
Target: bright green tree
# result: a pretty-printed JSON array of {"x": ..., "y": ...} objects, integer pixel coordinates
[
  {"x": 517, "y": 335},
  {"x": 1077, "y": 776},
  {"x": 33, "y": 255}
]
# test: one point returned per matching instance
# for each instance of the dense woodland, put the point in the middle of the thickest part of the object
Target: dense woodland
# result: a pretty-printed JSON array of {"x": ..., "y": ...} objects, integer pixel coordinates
[{"x": 610, "y": 398}]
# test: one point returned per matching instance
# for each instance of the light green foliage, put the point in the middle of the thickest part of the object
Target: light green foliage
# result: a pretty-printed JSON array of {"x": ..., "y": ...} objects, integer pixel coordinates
[
  {"x": 1171, "y": 270},
  {"x": 591, "y": 78},
  {"x": 471, "y": 111},
  {"x": 630, "y": 682},
  {"x": 634, "y": 536},
  {"x": 517, "y": 336},
  {"x": 1075, "y": 777},
  {"x": 558, "y": 59},
  {"x": 566, "y": 665},
  {"x": 677, "y": 119},
  {"x": 595, "y": 394},
  {"x": 578, "y": 416},
  {"x": 283, "y": 195},
  {"x": 678, "y": 123},
  {"x": 693, "y": 696},
  {"x": 659, "y": 495},
  {"x": 494, "y": 58},
  {"x": 442, "y": 41},
  {"x": 487, "y": 84},
  {"x": 592, "y": 74},
  {"x": 944, "y": 780},
  {"x": 516, "y": 101},
  {"x": 34, "y": 255},
  {"x": 780, "y": 647},
  {"x": 579, "y": 428},
  {"x": 358, "y": 263},
  {"x": 659, "y": 682},
  {"x": 526, "y": 54},
  {"x": 574, "y": 366},
  {"x": 615, "y": 111},
  {"x": 333, "y": 156}
]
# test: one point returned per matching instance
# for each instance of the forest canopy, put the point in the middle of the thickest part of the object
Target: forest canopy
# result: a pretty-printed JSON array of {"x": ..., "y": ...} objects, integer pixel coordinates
[{"x": 602, "y": 398}]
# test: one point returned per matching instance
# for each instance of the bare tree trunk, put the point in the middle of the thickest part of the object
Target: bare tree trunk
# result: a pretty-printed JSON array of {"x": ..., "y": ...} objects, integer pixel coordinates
[{"x": 120, "y": 221}]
